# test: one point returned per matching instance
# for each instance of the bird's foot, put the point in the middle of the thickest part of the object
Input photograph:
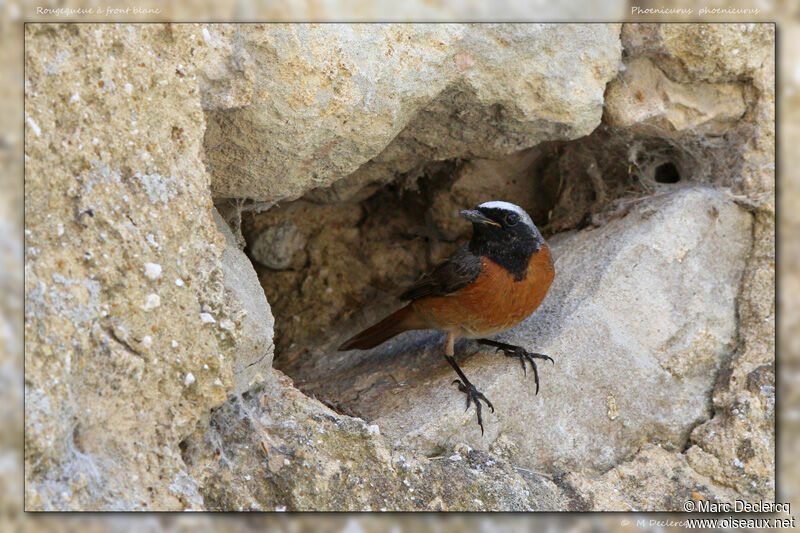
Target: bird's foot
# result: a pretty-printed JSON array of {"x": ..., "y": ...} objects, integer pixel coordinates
[
  {"x": 474, "y": 396},
  {"x": 509, "y": 350}
]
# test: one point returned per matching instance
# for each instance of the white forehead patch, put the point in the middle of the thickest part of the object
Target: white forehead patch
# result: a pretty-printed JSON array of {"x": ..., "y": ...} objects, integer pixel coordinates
[{"x": 523, "y": 216}]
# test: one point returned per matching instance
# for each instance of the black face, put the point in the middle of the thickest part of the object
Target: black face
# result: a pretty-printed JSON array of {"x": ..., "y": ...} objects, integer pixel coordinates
[{"x": 505, "y": 236}]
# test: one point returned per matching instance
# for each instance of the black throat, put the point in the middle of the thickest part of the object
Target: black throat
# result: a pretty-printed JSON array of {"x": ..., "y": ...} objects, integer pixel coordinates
[{"x": 513, "y": 255}]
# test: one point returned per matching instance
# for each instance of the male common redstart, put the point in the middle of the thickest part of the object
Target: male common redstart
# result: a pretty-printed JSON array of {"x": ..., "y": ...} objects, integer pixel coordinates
[{"x": 486, "y": 287}]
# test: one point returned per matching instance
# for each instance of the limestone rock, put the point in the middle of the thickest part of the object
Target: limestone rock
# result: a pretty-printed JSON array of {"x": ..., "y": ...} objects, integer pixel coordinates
[
  {"x": 639, "y": 319},
  {"x": 328, "y": 99},
  {"x": 736, "y": 447},
  {"x": 120, "y": 366},
  {"x": 714, "y": 52},
  {"x": 276, "y": 246},
  {"x": 225, "y": 71},
  {"x": 253, "y": 335},
  {"x": 655, "y": 480},
  {"x": 275, "y": 449},
  {"x": 643, "y": 95}
]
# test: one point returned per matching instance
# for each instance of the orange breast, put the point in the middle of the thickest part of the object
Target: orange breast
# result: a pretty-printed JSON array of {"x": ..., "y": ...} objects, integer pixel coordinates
[{"x": 493, "y": 303}]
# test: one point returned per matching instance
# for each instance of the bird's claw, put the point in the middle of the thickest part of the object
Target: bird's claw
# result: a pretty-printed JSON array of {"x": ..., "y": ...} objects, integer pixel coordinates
[
  {"x": 474, "y": 396},
  {"x": 525, "y": 355}
]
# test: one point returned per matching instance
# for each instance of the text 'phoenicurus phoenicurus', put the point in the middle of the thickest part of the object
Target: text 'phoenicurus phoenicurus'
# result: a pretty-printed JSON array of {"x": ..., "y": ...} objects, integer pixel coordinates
[{"x": 486, "y": 287}]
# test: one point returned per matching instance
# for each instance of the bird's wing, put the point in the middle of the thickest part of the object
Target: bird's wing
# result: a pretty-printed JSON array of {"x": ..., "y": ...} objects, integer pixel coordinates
[{"x": 460, "y": 269}]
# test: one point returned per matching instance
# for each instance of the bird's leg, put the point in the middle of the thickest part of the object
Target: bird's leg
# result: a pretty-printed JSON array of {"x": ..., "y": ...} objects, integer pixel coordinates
[
  {"x": 517, "y": 351},
  {"x": 464, "y": 385}
]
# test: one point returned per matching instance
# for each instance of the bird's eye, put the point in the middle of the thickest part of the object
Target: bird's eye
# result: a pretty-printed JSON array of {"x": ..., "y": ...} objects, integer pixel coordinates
[{"x": 512, "y": 219}]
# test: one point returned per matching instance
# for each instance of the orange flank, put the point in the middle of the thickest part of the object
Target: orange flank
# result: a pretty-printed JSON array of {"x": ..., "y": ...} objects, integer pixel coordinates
[{"x": 493, "y": 303}]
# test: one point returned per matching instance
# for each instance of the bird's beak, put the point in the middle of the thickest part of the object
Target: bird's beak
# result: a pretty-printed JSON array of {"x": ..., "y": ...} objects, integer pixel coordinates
[{"x": 477, "y": 217}]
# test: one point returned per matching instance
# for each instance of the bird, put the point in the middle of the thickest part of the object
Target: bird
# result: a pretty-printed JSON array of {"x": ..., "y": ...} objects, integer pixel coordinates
[{"x": 486, "y": 287}]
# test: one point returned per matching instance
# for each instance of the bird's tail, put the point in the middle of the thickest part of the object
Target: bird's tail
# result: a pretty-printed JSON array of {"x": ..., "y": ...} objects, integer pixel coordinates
[{"x": 402, "y": 320}]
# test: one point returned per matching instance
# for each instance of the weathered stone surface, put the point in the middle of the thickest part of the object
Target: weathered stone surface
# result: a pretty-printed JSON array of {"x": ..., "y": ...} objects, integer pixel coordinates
[
  {"x": 654, "y": 480},
  {"x": 331, "y": 269},
  {"x": 278, "y": 450},
  {"x": 252, "y": 327},
  {"x": 712, "y": 52},
  {"x": 639, "y": 319},
  {"x": 736, "y": 447},
  {"x": 225, "y": 71},
  {"x": 711, "y": 105},
  {"x": 125, "y": 296},
  {"x": 328, "y": 99},
  {"x": 643, "y": 95}
]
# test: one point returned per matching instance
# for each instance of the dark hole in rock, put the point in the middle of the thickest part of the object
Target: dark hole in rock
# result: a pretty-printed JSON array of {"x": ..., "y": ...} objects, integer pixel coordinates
[
  {"x": 667, "y": 173},
  {"x": 183, "y": 446}
]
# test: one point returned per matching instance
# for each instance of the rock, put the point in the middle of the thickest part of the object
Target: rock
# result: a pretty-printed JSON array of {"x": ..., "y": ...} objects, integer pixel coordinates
[
  {"x": 644, "y": 96},
  {"x": 736, "y": 446},
  {"x": 328, "y": 271},
  {"x": 706, "y": 107},
  {"x": 254, "y": 331},
  {"x": 275, "y": 449},
  {"x": 640, "y": 317},
  {"x": 401, "y": 95},
  {"x": 276, "y": 247},
  {"x": 109, "y": 345},
  {"x": 225, "y": 70},
  {"x": 708, "y": 52},
  {"x": 655, "y": 480}
]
